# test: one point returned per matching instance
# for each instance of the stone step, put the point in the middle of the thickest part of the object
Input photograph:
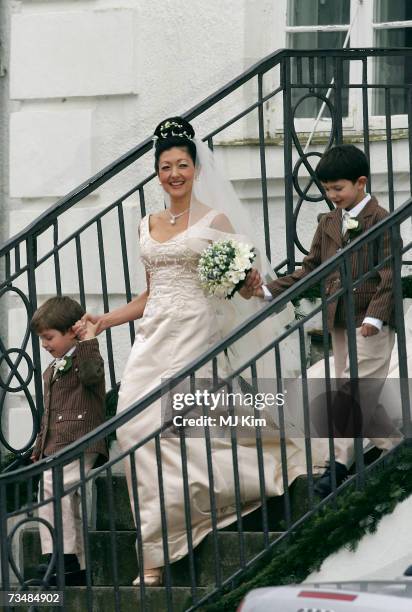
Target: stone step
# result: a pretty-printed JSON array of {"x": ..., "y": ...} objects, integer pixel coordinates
[
  {"x": 123, "y": 519},
  {"x": 204, "y": 557},
  {"x": 76, "y": 600}
]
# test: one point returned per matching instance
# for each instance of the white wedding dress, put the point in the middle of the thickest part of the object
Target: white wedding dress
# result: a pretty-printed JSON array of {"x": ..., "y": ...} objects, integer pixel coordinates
[{"x": 179, "y": 324}]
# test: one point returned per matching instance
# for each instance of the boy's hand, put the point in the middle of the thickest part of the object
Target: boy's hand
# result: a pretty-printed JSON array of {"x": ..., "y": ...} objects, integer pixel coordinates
[
  {"x": 369, "y": 330},
  {"x": 88, "y": 324},
  {"x": 33, "y": 458},
  {"x": 79, "y": 328},
  {"x": 253, "y": 282},
  {"x": 85, "y": 330},
  {"x": 90, "y": 330}
]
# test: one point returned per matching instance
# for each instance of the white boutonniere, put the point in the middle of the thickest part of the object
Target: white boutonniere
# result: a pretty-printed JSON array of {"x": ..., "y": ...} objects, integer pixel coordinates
[
  {"x": 62, "y": 365},
  {"x": 353, "y": 228},
  {"x": 352, "y": 224}
]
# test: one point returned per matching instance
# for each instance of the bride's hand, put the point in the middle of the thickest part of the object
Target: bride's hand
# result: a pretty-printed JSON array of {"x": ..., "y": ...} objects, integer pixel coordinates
[
  {"x": 253, "y": 282},
  {"x": 79, "y": 327},
  {"x": 258, "y": 292}
]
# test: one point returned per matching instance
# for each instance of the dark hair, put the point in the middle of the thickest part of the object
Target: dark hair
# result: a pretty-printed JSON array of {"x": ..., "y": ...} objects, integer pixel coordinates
[
  {"x": 59, "y": 313},
  {"x": 174, "y": 132},
  {"x": 342, "y": 162}
]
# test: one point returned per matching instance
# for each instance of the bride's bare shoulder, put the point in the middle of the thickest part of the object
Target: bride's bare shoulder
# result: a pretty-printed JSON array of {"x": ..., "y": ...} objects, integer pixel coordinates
[
  {"x": 215, "y": 218},
  {"x": 155, "y": 218},
  {"x": 221, "y": 221}
]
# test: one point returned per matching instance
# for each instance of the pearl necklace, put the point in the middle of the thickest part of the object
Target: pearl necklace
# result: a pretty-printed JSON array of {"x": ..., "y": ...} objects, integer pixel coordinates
[{"x": 174, "y": 217}]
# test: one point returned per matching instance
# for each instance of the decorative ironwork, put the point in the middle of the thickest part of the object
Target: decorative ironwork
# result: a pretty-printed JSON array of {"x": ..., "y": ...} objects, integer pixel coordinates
[
  {"x": 23, "y": 262},
  {"x": 11, "y": 361}
]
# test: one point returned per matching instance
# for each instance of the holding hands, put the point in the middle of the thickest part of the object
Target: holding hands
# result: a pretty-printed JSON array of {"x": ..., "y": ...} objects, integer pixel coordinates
[
  {"x": 88, "y": 327},
  {"x": 252, "y": 286}
]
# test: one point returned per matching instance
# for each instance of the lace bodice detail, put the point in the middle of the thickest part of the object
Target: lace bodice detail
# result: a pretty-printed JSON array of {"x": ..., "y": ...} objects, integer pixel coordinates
[{"x": 172, "y": 265}]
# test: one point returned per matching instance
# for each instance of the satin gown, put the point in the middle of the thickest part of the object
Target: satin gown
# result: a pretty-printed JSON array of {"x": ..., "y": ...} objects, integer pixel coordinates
[{"x": 179, "y": 324}]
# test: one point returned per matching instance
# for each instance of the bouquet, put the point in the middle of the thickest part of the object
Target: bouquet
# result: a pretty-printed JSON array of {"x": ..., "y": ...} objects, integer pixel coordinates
[{"x": 223, "y": 266}]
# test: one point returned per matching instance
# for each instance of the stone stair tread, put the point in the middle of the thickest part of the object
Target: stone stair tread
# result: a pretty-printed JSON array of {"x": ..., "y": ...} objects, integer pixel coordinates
[
  {"x": 104, "y": 599},
  {"x": 204, "y": 556}
]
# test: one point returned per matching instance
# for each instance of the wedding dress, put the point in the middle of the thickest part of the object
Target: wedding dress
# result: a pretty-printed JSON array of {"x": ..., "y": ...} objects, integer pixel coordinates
[{"x": 178, "y": 325}]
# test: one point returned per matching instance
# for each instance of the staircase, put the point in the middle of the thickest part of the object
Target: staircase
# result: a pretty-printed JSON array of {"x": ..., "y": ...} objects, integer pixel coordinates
[{"x": 126, "y": 565}]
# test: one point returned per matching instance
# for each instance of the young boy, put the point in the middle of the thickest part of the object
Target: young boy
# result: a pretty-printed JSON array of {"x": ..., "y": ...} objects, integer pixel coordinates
[
  {"x": 343, "y": 172},
  {"x": 74, "y": 404}
]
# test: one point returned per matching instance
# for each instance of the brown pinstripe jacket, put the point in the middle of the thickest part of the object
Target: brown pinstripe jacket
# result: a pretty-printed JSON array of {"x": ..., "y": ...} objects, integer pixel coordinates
[
  {"x": 74, "y": 402},
  {"x": 374, "y": 297}
]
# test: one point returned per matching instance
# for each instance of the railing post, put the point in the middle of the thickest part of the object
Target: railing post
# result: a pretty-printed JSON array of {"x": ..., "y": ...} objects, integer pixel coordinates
[
  {"x": 31, "y": 247},
  {"x": 338, "y": 100},
  {"x": 262, "y": 150},
  {"x": 400, "y": 330},
  {"x": 288, "y": 169},
  {"x": 347, "y": 282}
]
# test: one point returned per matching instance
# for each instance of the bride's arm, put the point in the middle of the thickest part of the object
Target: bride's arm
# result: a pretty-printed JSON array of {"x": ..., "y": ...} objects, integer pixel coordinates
[{"x": 129, "y": 312}]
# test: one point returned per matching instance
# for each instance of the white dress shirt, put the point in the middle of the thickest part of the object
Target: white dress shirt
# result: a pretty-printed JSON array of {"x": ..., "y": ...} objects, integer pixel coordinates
[{"x": 353, "y": 212}]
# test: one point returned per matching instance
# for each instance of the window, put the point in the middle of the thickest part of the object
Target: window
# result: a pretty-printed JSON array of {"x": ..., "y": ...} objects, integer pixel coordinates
[
  {"x": 354, "y": 23},
  {"x": 317, "y": 24},
  {"x": 392, "y": 24}
]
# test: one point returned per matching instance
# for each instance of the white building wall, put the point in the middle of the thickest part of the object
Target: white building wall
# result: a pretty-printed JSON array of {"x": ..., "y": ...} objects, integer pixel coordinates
[{"x": 88, "y": 81}]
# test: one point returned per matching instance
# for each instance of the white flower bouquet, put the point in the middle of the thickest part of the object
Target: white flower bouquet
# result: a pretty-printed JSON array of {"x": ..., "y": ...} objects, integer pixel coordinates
[{"x": 223, "y": 266}]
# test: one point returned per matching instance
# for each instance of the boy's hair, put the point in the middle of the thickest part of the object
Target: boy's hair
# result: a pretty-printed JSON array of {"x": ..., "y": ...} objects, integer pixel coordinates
[
  {"x": 342, "y": 162},
  {"x": 59, "y": 313}
]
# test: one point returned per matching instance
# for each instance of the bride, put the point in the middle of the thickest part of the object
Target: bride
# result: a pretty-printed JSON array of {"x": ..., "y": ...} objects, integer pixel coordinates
[{"x": 177, "y": 323}]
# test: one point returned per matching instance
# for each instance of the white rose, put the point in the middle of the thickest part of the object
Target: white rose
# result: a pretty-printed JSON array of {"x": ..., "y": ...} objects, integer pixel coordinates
[
  {"x": 236, "y": 276},
  {"x": 243, "y": 250}
]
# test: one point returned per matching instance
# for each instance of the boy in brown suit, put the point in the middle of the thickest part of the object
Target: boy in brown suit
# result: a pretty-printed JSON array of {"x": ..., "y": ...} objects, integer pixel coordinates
[
  {"x": 343, "y": 172},
  {"x": 74, "y": 404}
]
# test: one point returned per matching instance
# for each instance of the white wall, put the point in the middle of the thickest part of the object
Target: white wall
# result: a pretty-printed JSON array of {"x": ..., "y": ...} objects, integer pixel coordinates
[{"x": 88, "y": 81}]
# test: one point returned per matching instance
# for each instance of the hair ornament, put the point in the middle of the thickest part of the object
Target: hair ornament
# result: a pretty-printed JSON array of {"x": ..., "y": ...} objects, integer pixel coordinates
[{"x": 167, "y": 130}]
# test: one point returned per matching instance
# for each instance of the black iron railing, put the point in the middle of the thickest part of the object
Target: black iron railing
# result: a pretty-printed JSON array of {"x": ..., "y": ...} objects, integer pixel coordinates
[
  {"x": 28, "y": 257},
  {"x": 21, "y": 507}
]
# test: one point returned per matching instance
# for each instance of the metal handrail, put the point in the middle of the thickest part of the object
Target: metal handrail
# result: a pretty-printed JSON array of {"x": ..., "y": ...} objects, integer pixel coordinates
[
  {"x": 45, "y": 220},
  {"x": 70, "y": 452}
]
